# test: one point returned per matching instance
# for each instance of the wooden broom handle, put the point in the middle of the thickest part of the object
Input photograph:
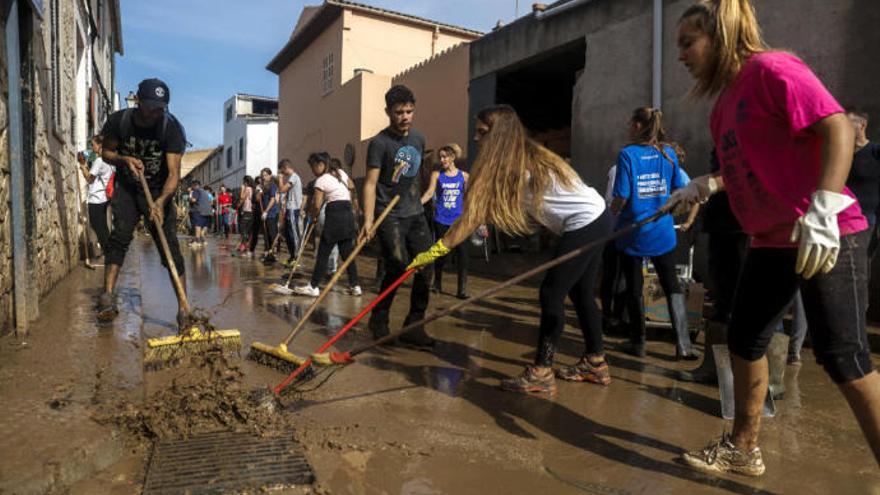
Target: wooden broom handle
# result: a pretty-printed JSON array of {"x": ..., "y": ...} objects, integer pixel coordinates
[{"x": 339, "y": 271}]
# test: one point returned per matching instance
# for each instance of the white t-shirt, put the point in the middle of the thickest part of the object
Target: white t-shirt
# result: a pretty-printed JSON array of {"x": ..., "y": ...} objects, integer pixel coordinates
[
  {"x": 569, "y": 210},
  {"x": 295, "y": 193},
  {"x": 334, "y": 189},
  {"x": 102, "y": 171}
]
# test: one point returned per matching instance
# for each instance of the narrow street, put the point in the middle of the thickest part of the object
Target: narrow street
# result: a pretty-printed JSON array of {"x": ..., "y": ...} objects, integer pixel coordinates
[{"x": 400, "y": 421}]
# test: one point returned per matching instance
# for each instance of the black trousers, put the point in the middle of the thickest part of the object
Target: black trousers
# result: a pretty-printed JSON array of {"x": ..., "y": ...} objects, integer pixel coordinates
[
  {"x": 835, "y": 304},
  {"x": 271, "y": 230},
  {"x": 725, "y": 256},
  {"x": 664, "y": 265},
  {"x": 323, "y": 259},
  {"x": 461, "y": 259},
  {"x": 612, "y": 289},
  {"x": 575, "y": 278},
  {"x": 129, "y": 204},
  {"x": 401, "y": 239},
  {"x": 245, "y": 227},
  {"x": 98, "y": 221}
]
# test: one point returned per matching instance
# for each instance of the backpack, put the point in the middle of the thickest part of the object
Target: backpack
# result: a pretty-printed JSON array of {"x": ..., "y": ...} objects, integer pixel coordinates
[{"x": 126, "y": 124}]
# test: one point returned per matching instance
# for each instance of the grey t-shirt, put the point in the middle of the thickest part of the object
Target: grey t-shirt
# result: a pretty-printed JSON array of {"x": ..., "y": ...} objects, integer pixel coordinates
[
  {"x": 398, "y": 159},
  {"x": 203, "y": 202}
]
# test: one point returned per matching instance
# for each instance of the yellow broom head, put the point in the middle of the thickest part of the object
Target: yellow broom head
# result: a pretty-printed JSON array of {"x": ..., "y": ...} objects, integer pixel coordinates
[
  {"x": 163, "y": 351},
  {"x": 277, "y": 357}
]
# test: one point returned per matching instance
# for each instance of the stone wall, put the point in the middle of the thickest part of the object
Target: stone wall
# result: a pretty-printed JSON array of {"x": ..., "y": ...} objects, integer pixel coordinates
[{"x": 52, "y": 203}]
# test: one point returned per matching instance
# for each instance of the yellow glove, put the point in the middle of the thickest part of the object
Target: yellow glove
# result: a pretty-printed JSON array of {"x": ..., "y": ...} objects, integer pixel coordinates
[{"x": 438, "y": 250}]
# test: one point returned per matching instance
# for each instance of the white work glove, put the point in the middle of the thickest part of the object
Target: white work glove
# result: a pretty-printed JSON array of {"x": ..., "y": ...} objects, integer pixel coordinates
[
  {"x": 265, "y": 215},
  {"x": 698, "y": 190},
  {"x": 818, "y": 234}
]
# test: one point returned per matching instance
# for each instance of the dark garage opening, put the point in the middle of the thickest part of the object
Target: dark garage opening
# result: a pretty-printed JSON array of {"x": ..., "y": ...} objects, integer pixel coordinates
[{"x": 541, "y": 90}]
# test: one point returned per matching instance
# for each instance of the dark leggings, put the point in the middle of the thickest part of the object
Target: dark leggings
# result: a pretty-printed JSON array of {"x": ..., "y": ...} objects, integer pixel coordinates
[
  {"x": 245, "y": 227},
  {"x": 612, "y": 289},
  {"x": 577, "y": 279},
  {"x": 98, "y": 221},
  {"x": 346, "y": 246},
  {"x": 461, "y": 258},
  {"x": 271, "y": 231},
  {"x": 664, "y": 265}
]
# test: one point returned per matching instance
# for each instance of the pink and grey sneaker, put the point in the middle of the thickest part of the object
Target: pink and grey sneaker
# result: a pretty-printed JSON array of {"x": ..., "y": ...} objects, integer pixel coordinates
[
  {"x": 586, "y": 371},
  {"x": 533, "y": 380},
  {"x": 721, "y": 456}
]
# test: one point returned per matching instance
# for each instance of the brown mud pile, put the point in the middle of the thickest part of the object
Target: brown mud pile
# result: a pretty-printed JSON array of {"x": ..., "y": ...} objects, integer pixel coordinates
[{"x": 205, "y": 395}]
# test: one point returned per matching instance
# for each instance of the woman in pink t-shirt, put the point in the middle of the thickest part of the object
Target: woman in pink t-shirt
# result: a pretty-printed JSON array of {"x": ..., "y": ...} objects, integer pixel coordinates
[{"x": 785, "y": 149}]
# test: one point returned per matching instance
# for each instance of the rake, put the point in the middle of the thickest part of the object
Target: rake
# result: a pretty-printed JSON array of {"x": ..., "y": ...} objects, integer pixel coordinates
[{"x": 278, "y": 356}]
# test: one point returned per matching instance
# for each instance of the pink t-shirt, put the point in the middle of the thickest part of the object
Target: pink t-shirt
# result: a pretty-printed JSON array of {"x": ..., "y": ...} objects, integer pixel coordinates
[
  {"x": 334, "y": 189},
  {"x": 770, "y": 161}
]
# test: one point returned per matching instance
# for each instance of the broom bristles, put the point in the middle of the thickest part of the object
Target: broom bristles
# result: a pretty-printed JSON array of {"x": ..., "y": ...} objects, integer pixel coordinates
[
  {"x": 277, "y": 357},
  {"x": 167, "y": 351}
]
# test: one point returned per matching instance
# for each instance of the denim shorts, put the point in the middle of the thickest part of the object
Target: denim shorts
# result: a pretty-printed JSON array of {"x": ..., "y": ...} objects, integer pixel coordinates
[{"x": 835, "y": 303}]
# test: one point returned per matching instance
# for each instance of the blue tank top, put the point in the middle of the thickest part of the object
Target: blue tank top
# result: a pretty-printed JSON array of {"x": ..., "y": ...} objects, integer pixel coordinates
[{"x": 448, "y": 198}]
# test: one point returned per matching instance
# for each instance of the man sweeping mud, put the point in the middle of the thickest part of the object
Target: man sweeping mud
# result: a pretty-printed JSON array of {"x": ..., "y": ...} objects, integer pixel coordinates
[{"x": 144, "y": 140}]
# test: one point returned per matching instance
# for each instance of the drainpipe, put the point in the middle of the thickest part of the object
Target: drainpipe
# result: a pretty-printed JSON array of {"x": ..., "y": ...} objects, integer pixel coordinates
[
  {"x": 21, "y": 287},
  {"x": 545, "y": 13},
  {"x": 657, "y": 73},
  {"x": 434, "y": 37}
]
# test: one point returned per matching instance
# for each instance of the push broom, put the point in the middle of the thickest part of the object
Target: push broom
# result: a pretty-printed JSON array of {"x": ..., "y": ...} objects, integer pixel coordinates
[
  {"x": 285, "y": 289},
  {"x": 193, "y": 340},
  {"x": 279, "y": 357},
  {"x": 320, "y": 357}
]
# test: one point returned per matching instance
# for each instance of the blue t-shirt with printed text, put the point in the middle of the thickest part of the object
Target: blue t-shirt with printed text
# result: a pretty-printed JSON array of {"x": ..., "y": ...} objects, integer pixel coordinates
[
  {"x": 645, "y": 178},
  {"x": 268, "y": 194}
]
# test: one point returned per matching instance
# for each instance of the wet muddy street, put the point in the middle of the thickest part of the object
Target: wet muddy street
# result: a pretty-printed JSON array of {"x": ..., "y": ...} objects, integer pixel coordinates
[{"x": 399, "y": 421}]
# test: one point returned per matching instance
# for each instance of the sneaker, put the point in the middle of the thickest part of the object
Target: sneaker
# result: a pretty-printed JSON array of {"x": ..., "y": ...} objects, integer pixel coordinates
[
  {"x": 721, "y": 456},
  {"x": 307, "y": 290},
  {"x": 585, "y": 371},
  {"x": 354, "y": 291},
  {"x": 793, "y": 359},
  {"x": 531, "y": 381},
  {"x": 107, "y": 309}
]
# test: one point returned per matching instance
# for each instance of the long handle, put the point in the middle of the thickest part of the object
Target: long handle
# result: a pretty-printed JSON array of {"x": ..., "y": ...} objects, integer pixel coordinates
[
  {"x": 348, "y": 326},
  {"x": 339, "y": 271},
  {"x": 172, "y": 268},
  {"x": 511, "y": 281},
  {"x": 302, "y": 249},
  {"x": 83, "y": 221}
]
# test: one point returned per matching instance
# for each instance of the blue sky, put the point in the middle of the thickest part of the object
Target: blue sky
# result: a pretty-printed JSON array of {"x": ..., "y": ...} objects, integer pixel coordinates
[{"x": 207, "y": 50}]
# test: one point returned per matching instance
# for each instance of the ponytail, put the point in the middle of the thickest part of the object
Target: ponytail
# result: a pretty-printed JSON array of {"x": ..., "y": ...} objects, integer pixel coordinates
[
  {"x": 733, "y": 27},
  {"x": 652, "y": 133}
]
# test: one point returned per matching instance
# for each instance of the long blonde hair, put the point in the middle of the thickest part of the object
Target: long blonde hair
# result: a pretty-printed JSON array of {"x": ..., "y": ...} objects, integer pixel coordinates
[
  {"x": 508, "y": 163},
  {"x": 733, "y": 27}
]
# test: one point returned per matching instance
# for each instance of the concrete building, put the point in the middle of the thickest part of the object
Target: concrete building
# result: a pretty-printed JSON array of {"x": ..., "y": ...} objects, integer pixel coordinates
[
  {"x": 576, "y": 70},
  {"x": 250, "y": 139},
  {"x": 203, "y": 165},
  {"x": 333, "y": 73},
  {"x": 57, "y": 87}
]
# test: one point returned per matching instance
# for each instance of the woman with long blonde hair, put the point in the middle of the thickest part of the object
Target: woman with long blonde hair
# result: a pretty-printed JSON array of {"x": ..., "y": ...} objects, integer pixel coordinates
[
  {"x": 785, "y": 148},
  {"x": 514, "y": 183}
]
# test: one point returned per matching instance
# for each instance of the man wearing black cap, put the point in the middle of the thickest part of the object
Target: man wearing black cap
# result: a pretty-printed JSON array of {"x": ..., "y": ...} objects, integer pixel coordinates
[{"x": 145, "y": 140}]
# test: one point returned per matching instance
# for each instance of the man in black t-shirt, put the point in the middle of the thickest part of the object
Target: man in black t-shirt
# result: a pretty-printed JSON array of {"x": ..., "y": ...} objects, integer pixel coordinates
[
  {"x": 394, "y": 158},
  {"x": 146, "y": 140},
  {"x": 864, "y": 176}
]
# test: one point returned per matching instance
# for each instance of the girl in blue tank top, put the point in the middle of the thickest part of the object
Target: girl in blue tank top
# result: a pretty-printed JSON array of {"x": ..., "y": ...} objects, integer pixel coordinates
[{"x": 446, "y": 188}]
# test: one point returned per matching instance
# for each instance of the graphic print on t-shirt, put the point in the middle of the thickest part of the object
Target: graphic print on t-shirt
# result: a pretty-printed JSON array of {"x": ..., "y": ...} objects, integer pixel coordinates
[
  {"x": 407, "y": 161},
  {"x": 450, "y": 194},
  {"x": 149, "y": 151},
  {"x": 651, "y": 185}
]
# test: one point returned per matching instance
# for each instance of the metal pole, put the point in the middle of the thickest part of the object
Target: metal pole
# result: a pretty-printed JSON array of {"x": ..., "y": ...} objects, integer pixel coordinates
[
  {"x": 657, "y": 82},
  {"x": 16, "y": 176}
]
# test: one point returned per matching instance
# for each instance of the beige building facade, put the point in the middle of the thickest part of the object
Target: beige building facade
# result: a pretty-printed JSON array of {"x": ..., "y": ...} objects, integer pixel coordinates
[{"x": 341, "y": 59}]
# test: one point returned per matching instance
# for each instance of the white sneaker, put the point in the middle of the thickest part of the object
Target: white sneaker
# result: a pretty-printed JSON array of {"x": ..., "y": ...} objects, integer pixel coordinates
[
  {"x": 355, "y": 291},
  {"x": 307, "y": 290}
]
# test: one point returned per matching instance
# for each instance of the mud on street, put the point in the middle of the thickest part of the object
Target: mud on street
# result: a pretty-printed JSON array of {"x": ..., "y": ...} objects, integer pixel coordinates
[{"x": 396, "y": 420}]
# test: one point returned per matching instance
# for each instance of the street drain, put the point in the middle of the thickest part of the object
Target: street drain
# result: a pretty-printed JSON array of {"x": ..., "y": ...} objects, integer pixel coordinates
[{"x": 219, "y": 463}]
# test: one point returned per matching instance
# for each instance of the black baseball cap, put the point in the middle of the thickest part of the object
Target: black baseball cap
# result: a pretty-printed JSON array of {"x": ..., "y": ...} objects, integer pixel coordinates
[{"x": 153, "y": 93}]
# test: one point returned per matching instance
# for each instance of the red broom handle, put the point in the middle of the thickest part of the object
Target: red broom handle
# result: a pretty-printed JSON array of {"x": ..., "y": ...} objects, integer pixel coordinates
[{"x": 342, "y": 331}]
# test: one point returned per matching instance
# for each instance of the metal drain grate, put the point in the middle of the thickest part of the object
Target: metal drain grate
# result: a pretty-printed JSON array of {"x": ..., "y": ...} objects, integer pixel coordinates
[{"x": 218, "y": 463}]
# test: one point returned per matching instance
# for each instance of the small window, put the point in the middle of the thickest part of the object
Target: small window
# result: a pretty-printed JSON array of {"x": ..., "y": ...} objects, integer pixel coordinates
[
  {"x": 229, "y": 157},
  {"x": 229, "y": 112},
  {"x": 327, "y": 74},
  {"x": 240, "y": 149}
]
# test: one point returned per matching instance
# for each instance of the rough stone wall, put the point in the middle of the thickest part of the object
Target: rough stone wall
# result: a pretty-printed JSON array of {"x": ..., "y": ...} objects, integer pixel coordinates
[
  {"x": 5, "y": 214},
  {"x": 52, "y": 236}
]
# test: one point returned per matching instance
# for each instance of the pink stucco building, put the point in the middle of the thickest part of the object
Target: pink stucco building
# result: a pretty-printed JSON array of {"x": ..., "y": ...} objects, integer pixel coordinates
[{"x": 339, "y": 61}]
